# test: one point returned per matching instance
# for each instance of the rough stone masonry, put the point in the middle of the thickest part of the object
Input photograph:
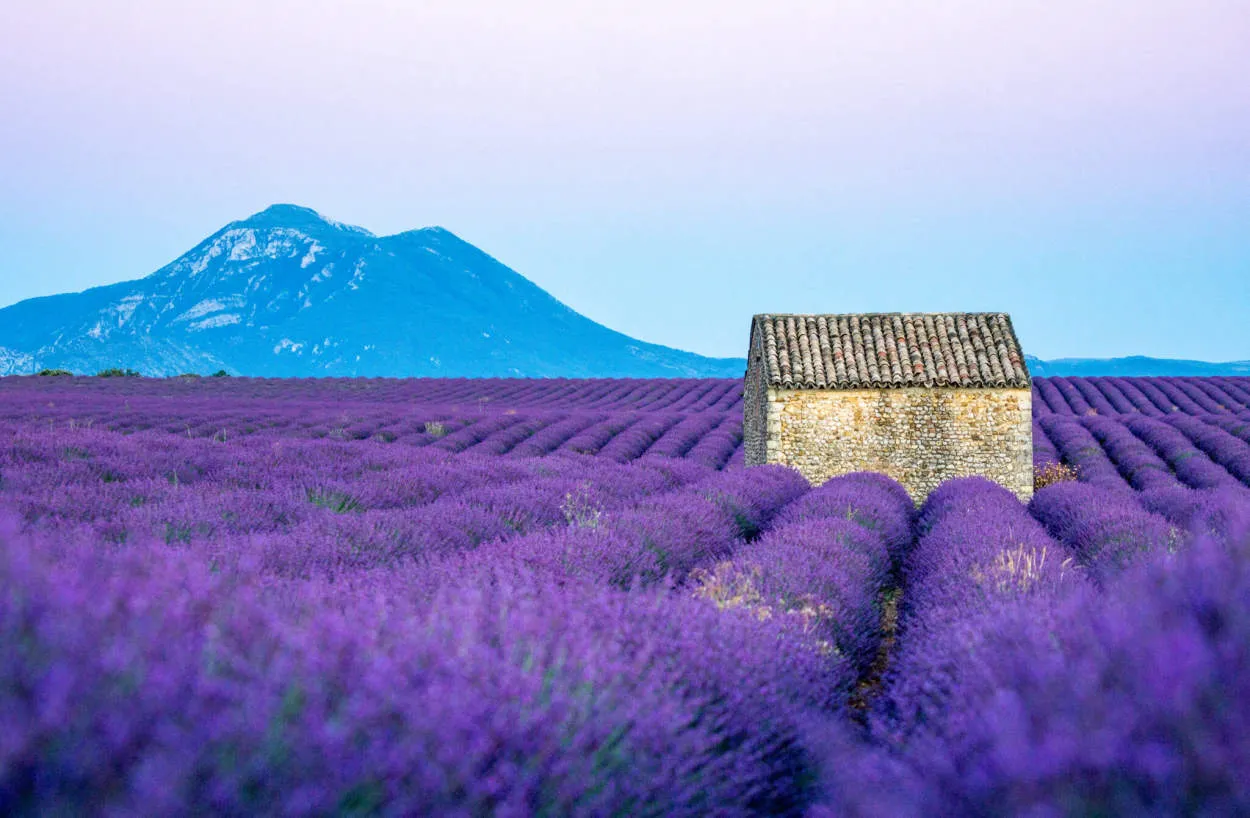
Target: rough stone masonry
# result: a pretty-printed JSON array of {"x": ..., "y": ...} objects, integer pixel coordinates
[{"x": 920, "y": 397}]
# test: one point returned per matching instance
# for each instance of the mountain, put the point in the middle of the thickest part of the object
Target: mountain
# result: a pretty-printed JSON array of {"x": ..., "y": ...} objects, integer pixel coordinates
[
  {"x": 1133, "y": 366},
  {"x": 288, "y": 293}
]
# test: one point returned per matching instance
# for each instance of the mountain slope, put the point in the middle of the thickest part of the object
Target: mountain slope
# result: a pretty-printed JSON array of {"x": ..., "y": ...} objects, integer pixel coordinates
[{"x": 287, "y": 292}]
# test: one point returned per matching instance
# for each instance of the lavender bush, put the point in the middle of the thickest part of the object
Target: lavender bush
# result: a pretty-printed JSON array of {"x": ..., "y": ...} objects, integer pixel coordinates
[
  {"x": 979, "y": 556},
  {"x": 1082, "y": 451},
  {"x": 871, "y": 500},
  {"x": 149, "y": 684},
  {"x": 1228, "y": 451},
  {"x": 1130, "y": 701},
  {"x": 1192, "y": 466},
  {"x": 1136, "y": 461},
  {"x": 1106, "y": 530}
]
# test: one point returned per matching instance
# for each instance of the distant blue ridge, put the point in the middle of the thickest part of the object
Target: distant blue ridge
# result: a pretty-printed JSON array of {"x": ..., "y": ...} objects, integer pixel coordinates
[{"x": 1133, "y": 366}]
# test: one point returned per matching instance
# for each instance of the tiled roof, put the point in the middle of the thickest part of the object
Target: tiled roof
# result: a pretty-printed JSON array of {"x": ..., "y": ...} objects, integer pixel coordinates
[{"x": 884, "y": 350}]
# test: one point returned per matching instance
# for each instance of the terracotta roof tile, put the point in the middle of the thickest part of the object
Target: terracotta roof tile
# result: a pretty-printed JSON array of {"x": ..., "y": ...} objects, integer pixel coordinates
[{"x": 883, "y": 350}]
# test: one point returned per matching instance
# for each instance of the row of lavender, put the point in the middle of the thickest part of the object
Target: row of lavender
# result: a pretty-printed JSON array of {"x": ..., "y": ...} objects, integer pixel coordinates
[
  {"x": 1218, "y": 444},
  {"x": 458, "y": 394},
  {"x": 1156, "y": 456},
  {"x": 1081, "y": 656},
  {"x": 1052, "y": 395},
  {"x": 713, "y": 439},
  {"x": 1148, "y": 396},
  {"x": 1128, "y": 451},
  {"x": 389, "y": 408}
]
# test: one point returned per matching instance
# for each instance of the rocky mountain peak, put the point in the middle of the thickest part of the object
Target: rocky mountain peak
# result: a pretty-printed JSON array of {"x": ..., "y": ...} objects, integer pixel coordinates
[
  {"x": 289, "y": 292},
  {"x": 296, "y": 217}
]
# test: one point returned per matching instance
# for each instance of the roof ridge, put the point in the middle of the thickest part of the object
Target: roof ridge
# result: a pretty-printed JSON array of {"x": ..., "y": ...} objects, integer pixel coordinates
[
  {"x": 870, "y": 314},
  {"x": 890, "y": 349}
]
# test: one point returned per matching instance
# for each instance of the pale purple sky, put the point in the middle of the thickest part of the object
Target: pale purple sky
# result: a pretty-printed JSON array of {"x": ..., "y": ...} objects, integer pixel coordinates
[{"x": 669, "y": 168}]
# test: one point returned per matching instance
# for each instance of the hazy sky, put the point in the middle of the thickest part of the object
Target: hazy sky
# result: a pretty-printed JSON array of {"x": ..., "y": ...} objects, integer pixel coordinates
[{"x": 669, "y": 168}]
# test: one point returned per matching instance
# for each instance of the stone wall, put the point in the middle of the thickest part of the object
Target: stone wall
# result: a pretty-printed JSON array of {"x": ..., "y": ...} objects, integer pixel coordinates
[
  {"x": 754, "y": 406},
  {"x": 920, "y": 437}
]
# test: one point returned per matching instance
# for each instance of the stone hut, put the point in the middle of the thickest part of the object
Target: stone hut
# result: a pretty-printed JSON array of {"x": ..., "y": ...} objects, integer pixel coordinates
[{"x": 922, "y": 397}]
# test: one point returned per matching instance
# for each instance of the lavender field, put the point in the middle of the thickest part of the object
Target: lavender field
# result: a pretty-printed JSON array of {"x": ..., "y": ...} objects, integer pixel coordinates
[{"x": 463, "y": 597}]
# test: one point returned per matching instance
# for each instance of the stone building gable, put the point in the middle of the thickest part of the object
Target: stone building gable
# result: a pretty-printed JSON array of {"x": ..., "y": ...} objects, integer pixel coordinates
[{"x": 754, "y": 406}]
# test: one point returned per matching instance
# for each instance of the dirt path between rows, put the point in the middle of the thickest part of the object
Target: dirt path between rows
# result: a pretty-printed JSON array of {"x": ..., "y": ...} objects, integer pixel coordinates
[{"x": 871, "y": 683}]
